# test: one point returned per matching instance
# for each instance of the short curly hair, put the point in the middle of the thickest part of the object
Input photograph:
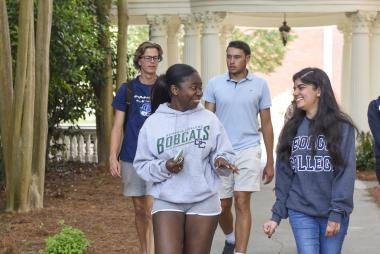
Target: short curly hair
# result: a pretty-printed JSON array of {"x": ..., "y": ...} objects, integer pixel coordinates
[{"x": 141, "y": 50}]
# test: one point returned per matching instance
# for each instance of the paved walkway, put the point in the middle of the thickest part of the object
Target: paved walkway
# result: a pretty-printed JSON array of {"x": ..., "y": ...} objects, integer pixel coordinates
[{"x": 363, "y": 235}]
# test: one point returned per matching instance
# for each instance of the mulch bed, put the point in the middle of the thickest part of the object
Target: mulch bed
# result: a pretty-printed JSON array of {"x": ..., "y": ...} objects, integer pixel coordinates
[
  {"x": 366, "y": 175},
  {"x": 375, "y": 194},
  {"x": 85, "y": 197},
  {"x": 370, "y": 175}
]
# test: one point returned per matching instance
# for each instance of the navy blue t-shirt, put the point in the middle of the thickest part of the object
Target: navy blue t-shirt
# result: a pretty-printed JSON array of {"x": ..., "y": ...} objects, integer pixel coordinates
[{"x": 140, "y": 110}]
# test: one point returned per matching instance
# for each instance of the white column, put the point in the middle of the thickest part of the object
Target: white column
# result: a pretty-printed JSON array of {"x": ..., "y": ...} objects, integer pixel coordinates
[
  {"x": 345, "y": 93},
  {"x": 224, "y": 31},
  {"x": 360, "y": 67},
  {"x": 375, "y": 59},
  {"x": 210, "y": 44},
  {"x": 158, "y": 34},
  {"x": 328, "y": 51},
  {"x": 192, "y": 42},
  {"x": 173, "y": 50}
]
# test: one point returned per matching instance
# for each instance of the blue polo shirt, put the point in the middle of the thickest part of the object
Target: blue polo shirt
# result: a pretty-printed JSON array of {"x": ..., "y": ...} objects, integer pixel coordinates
[
  {"x": 140, "y": 110},
  {"x": 237, "y": 106}
]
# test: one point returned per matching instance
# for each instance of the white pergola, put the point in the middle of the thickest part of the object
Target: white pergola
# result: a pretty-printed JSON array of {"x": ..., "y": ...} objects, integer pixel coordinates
[{"x": 206, "y": 23}]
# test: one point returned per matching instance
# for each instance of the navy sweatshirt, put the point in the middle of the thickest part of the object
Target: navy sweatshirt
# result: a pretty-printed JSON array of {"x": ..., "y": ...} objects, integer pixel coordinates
[
  {"x": 310, "y": 184},
  {"x": 374, "y": 123}
]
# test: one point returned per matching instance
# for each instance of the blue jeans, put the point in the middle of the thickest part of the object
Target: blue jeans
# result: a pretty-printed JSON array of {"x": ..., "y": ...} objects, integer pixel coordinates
[{"x": 309, "y": 233}]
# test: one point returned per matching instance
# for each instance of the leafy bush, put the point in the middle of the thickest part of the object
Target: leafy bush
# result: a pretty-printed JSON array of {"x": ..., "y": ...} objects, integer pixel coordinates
[
  {"x": 365, "y": 156},
  {"x": 68, "y": 241}
]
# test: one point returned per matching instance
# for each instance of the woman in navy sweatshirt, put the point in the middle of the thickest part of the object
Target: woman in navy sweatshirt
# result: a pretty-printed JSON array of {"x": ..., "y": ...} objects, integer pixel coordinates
[
  {"x": 182, "y": 147},
  {"x": 315, "y": 168},
  {"x": 374, "y": 124}
]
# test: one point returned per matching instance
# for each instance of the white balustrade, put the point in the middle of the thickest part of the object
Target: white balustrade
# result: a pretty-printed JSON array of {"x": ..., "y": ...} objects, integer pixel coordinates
[{"x": 79, "y": 145}]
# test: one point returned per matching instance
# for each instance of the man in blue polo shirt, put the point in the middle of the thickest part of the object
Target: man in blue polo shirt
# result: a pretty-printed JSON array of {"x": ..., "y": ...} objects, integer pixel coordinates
[
  {"x": 237, "y": 98},
  {"x": 146, "y": 59}
]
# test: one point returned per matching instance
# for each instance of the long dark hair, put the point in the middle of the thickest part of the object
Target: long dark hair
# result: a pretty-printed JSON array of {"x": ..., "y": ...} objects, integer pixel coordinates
[
  {"x": 175, "y": 75},
  {"x": 327, "y": 121}
]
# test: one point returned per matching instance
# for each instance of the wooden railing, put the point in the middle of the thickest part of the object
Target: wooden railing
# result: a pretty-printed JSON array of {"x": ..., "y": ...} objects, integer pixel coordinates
[{"x": 76, "y": 145}]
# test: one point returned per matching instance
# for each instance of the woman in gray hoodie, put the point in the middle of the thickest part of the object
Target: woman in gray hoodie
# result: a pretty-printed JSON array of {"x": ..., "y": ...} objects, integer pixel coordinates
[{"x": 182, "y": 148}]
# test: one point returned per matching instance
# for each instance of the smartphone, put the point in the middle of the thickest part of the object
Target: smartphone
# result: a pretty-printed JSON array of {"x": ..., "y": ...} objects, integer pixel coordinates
[{"x": 179, "y": 155}]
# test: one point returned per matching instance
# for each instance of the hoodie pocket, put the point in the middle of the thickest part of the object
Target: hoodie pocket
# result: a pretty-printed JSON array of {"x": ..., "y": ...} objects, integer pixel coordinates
[
  {"x": 196, "y": 164},
  {"x": 184, "y": 188}
]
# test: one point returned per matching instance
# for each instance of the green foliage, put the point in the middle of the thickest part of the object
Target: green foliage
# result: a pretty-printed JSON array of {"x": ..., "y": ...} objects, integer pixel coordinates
[
  {"x": 74, "y": 52},
  {"x": 68, "y": 241},
  {"x": 365, "y": 156},
  {"x": 267, "y": 50},
  {"x": 75, "y": 58},
  {"x": 136, "y": 35}
]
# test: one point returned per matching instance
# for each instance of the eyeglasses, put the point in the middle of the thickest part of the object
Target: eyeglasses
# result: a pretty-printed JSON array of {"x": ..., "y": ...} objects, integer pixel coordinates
[{"x": 155, "y": 59}]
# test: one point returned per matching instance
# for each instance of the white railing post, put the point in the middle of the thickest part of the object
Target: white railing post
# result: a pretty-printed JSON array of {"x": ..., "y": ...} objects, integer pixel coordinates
[
  {"x": 66, "y": 154},
  {"x": 74, "y": 151},
  {"x": 88, "y": 147},
  {"x": 95, "y": 155},
  {"x": 81, "y": 148},
  {"x": 59, "y": 155}
]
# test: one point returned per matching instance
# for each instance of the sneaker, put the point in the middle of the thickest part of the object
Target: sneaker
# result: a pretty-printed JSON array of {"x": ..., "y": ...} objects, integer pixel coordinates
[{"x": 228, "y": 248}]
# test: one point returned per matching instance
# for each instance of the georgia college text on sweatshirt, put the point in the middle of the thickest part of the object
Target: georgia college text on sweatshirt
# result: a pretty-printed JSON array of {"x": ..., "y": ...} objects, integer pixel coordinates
[
  {"x": 310, "y": 184},
  {"x": 201, "y": 136}
]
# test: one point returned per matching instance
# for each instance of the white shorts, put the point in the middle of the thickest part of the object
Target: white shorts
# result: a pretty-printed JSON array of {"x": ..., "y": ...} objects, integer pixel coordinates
[
  {"x": 208, "y": 207},
  {"x": 248, "y": 161},
  {"x": 134, "y": 186}
]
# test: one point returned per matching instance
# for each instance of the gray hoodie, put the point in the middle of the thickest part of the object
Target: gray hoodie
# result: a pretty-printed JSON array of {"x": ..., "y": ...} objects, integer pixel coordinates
[{"x": 201, "y": 136}]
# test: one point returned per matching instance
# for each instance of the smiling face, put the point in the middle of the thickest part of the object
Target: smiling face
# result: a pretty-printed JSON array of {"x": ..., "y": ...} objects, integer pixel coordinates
[
  {"x": 306, "y": 97},
  {"x": 188, "y": 94}
]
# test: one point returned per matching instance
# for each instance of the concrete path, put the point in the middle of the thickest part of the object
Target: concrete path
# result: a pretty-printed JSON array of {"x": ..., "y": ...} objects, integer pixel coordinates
[{"x": 363, "y": 235}]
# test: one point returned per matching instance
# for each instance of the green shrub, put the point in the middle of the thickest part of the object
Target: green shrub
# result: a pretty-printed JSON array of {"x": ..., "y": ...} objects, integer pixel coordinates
[
  {"x": 365, "y": 156},
  {"x": 68, "y": 241}
]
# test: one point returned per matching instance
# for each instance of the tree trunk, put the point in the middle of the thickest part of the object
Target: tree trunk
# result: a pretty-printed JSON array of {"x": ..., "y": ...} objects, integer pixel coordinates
[
  {"x": 6, "y": 87},
  {"x": 122, "y": 40},
  {"x": 22, "y": 123},
  {"x": 105, "y": 90},
  {"x": 44, "y": 22},
  {"x": 23, "y": 177}
]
